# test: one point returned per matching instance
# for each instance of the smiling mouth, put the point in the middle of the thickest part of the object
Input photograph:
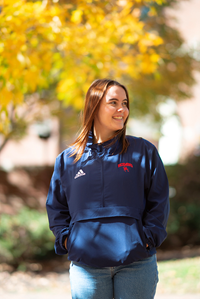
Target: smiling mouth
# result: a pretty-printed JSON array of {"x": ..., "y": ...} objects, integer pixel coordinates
[{"x": 118, "y": 117}]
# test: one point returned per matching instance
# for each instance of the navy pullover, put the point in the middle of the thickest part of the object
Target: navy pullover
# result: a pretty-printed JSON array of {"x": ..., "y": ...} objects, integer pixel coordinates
[{"x": 109, "y": 205}]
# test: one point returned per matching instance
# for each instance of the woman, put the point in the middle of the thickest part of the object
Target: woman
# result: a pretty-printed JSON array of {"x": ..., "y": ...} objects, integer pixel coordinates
[{"x": 108, "y": 202}]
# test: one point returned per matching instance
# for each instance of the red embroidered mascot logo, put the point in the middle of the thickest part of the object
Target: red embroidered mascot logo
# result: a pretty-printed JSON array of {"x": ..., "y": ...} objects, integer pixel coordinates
[{"x": 125, "y": 166}]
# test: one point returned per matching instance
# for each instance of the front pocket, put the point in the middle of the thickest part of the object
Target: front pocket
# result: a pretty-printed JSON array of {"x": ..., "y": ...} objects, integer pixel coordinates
[
  {"x": 107, "y": 242},
  {"x": 138, "y": 238}
]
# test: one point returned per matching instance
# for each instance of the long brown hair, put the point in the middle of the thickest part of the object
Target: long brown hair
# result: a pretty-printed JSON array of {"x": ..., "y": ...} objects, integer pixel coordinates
[{"x": 93, "y": 98}]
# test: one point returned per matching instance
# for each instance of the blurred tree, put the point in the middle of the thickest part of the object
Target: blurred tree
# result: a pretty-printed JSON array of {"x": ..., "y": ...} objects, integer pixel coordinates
[
  {"x": 48, "y": 42},
  {"x": 63, "y": 46},
  {"x": 174, "y": 75}
]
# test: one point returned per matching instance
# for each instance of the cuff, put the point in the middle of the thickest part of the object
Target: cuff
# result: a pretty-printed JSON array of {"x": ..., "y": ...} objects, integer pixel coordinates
[
  {"x": 149, "y": 239},
  {"x": 59, "y": 247}
]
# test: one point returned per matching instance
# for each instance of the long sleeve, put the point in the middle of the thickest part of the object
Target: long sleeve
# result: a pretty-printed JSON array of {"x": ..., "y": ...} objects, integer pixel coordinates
[
  {"x": 157, "y": 202},
  {"x": 57, "y": 209}
]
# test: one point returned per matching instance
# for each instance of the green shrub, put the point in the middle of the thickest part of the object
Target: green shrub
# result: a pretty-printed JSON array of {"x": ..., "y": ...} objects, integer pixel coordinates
[
  {"x": 184, "y": 220},
  {"x": 25, "y": 236}
]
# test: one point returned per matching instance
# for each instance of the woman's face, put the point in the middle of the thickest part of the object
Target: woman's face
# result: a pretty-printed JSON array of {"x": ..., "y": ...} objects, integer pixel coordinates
[{"x": 112, "y": 112}]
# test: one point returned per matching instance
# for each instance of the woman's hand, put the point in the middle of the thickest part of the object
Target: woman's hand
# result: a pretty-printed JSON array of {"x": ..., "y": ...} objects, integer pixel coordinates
[{"x": 65, "y": 244}]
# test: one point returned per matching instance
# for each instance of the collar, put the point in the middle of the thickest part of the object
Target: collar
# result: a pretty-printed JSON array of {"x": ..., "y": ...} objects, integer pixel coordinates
[{"x": 104, "y": 145}]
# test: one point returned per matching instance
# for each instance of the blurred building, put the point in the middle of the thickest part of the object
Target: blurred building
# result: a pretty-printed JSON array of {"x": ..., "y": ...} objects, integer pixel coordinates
[
  {"x": 181, "y": 134},
  {"x": 38, "y": 148},
  {"x": 181, "y": 120}
]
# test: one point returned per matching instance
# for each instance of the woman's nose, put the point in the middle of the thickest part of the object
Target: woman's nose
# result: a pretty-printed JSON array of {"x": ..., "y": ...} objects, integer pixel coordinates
[{"x": 120, "y": 109}]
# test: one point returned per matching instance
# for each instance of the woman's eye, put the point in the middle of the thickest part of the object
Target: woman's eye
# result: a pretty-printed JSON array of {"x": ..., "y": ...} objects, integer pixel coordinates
[{"x": 114, "y": 103}]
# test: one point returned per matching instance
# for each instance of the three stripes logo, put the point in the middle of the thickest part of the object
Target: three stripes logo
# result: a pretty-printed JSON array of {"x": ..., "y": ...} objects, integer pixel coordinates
[{"x": 79, "y": 173}]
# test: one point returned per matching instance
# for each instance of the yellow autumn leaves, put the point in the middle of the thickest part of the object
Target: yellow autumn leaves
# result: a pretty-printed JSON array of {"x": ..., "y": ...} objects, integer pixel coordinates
[{"x": 72, "y": 44}]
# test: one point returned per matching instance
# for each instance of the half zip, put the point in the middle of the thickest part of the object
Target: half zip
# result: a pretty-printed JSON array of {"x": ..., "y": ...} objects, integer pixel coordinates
[
  {"x": 102, "y": 177},
  {"x": 101, "y": 153}
]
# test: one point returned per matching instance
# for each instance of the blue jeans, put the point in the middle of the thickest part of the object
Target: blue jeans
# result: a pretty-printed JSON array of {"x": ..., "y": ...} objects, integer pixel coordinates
[{"x": 135, "y": 281}]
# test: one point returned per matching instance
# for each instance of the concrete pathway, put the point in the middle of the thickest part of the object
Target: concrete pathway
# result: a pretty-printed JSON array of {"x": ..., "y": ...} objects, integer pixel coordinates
[
  {"x": 185, "y": 296},
  {"x": 45, "y": 295},
  {"x": 27, "y": 285}
]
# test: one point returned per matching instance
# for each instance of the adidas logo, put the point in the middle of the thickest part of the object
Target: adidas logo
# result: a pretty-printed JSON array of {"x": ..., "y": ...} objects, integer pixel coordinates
[{"x": 79, "y": 173}]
